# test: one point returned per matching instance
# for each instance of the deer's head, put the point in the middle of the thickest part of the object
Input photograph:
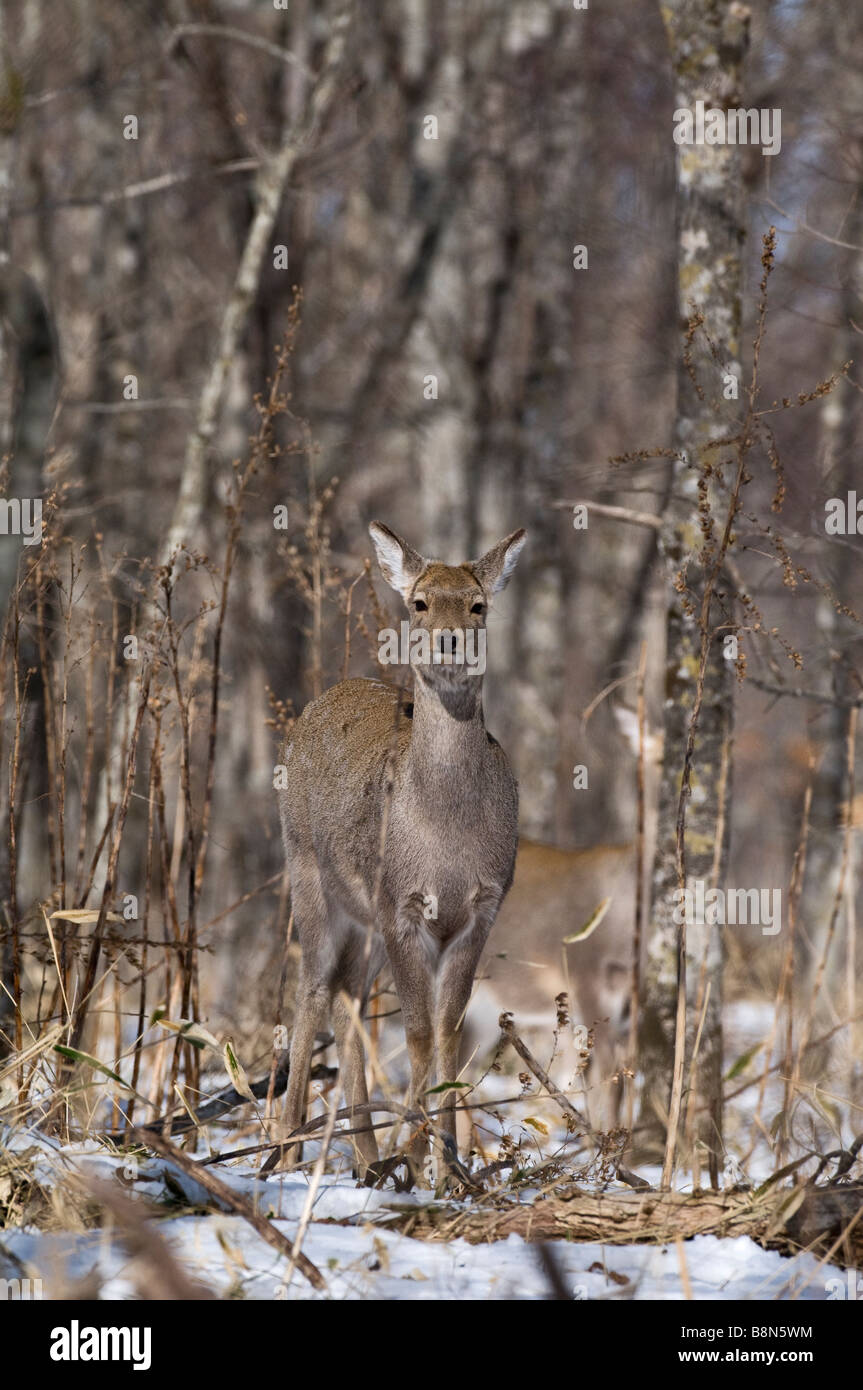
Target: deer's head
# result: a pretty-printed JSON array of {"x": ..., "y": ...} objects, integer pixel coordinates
[{"x": 447, "y": 604}]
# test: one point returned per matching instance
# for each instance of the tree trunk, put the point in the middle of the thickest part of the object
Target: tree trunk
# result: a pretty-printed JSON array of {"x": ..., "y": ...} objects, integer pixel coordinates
[
  {"x": 707, "y": 49},
  {"x": 840, "y": 426}
]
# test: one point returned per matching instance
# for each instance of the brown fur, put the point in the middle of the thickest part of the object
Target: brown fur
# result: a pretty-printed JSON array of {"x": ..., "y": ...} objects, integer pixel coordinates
[
  {"x": 387, "y": 813},
  {"x": 526, "y": 963}
]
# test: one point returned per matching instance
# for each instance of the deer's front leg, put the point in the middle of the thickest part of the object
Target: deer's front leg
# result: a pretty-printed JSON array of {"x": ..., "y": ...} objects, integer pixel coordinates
[
  {"x": 456, "y": 974},
  {"x": 413, "y": 977}
]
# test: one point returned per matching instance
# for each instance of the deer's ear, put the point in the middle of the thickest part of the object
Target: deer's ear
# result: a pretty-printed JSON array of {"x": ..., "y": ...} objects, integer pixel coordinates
[
  {"x": 401, "y": 565},
  {"x": 495, "y": 567}
]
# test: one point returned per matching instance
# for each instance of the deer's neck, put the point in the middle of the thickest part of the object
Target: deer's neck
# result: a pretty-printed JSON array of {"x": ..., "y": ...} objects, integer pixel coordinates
[{"x": 448, "y": 736}]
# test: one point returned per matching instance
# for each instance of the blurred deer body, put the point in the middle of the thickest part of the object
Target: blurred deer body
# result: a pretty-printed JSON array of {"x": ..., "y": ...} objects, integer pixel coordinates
[
  {"x": 527, "y": 965},
  {"x": 400, "y": 830}
]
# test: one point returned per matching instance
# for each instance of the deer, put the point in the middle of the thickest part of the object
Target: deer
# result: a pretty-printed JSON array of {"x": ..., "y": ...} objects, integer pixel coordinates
[
  {"x": 527, "y": 965},
  {"x": 539, "y": 950},
  {"x": 400, "y": 827}
]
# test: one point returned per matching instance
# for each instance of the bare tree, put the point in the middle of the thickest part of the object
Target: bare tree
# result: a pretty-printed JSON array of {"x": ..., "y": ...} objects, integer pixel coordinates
[{"x": 707, "y": 46}]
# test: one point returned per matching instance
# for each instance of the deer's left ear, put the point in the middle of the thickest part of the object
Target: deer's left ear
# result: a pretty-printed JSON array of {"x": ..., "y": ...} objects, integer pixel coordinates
[
  {"x": 495, "y": 567},
  {"x": 401, "y": 565}
]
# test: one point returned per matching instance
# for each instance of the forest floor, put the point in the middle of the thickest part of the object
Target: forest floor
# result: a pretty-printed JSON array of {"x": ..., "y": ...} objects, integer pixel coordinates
[
  {"x": 88, "y": 1220},
  {"x": 349, "y": 1242}
]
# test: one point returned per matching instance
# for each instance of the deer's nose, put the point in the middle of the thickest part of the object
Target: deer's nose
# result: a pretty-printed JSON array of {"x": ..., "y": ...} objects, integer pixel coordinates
[{"x": 447, "y": 644}]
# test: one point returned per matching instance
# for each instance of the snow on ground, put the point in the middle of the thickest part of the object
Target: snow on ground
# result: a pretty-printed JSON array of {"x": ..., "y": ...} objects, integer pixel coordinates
[
  {"x": 364, "y": 1260},
  {"x": 360, "y": 1262}
]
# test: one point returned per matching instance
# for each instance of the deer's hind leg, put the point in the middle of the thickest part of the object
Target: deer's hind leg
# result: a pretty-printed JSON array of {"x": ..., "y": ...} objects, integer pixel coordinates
[
  {"x": 314, "y": 990},
  {"x": 413, "y": 975},
  {"x": 361, "y": 960}
]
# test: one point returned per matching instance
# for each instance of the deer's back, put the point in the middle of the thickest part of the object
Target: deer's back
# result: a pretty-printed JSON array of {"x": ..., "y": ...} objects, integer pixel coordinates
[
  {"x": 348, "y": 766},
  {"x": 335, "y": 760}
]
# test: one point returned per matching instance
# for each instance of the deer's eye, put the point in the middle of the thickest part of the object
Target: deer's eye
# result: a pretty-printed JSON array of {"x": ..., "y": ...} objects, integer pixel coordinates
[
  {"x": 478, "y": 608},
  {"x": 420, "y": 605}
]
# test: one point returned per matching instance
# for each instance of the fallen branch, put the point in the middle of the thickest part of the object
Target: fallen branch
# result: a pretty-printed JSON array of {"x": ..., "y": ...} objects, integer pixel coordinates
[
  {"x": 788, "y": 1219},
  {"x": 220, "y": 1190}
]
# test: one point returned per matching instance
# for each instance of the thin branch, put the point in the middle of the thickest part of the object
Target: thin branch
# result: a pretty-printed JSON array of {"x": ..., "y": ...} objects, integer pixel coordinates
[
  {"x": 647, "y": 519},
  {"x": 800, "y": 694},
  {"x": 801, "y": 225},
  {"x": 121, "y": 407},
  {"x": 272, "y": 181},
  {"x": 142, "y": 189},
  {"x": 635, "y": 979},
  {"x": 509, "y": 1034},
  {"x": 227, "y": 31}
]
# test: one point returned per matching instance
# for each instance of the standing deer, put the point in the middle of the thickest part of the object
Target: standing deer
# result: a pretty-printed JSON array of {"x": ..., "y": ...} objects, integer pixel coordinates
[{"x": 400, "y": 825}]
